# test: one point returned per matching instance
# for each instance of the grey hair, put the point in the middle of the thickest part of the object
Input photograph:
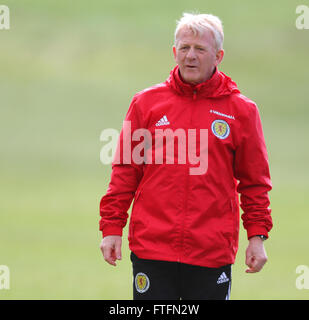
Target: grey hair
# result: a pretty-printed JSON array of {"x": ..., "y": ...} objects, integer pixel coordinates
[{"x": 198, "y": 23}]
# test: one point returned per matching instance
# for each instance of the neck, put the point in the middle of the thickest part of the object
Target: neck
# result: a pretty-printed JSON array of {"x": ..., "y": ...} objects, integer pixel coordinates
[{"x": 193, "y": 83}]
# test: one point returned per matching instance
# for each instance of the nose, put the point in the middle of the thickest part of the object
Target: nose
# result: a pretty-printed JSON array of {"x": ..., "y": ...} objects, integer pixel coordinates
[{"x": 191, "y": 53}]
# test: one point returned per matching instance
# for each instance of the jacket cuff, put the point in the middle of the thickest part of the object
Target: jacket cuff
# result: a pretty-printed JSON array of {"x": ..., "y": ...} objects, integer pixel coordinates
[
  {"x": 256, "y": 230},
  {"x": 112, "y": 231}
]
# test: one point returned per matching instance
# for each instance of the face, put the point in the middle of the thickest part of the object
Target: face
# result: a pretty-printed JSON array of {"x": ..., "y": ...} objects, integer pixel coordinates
[{"x": 196, "y": 56}]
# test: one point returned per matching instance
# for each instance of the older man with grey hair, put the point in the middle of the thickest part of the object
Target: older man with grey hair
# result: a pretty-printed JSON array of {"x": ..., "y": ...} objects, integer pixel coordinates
[{"x": 184, "y": 226}]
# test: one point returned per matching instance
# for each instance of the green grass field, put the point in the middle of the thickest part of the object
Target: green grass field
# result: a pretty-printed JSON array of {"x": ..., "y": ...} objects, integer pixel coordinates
[{"x": 68, "y": 70}]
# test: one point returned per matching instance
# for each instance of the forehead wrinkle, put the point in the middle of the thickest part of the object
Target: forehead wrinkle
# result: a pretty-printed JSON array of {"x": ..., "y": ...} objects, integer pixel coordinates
[
  {"x": 196, "y": 44},
  {"x": 201, "y": 44},
  {"x": 186, "y": 36}
]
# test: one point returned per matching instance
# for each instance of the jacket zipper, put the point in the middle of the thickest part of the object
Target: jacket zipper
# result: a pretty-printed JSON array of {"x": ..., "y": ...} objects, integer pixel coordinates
[
  {"x": 194, "y": 94},
  {"x": 182, "y": 231}
]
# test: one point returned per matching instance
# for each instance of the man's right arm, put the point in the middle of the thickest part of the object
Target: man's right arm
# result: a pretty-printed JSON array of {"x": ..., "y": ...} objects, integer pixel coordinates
[{"x": 116, "y": 202}]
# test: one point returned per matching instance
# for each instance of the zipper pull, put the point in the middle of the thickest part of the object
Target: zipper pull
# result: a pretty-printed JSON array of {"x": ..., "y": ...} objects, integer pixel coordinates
[{"x": 194, "y": 95}]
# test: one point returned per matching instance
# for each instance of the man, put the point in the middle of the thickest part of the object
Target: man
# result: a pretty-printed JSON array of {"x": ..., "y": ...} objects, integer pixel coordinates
[{"x": 184, "y": 226}]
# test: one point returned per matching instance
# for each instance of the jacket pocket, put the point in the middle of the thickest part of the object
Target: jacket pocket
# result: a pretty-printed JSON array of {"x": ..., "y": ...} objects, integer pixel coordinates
[
  {"x": 235, "y": 221},
  {"x": 133, "y": 214}
]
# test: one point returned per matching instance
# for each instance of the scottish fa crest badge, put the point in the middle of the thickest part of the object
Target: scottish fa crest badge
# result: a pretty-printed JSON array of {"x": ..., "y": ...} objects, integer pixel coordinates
[
  {"x": 141, "y": 282},
  {"x": 220, "y": 129}
]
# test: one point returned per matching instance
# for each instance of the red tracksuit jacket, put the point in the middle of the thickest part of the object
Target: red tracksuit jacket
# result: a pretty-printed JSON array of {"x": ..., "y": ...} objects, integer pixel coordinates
[{"x": 178, "y": 216}]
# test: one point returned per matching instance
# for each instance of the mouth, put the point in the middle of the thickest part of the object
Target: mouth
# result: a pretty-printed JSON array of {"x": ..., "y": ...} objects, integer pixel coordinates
[{"x": 191, "y": 67}]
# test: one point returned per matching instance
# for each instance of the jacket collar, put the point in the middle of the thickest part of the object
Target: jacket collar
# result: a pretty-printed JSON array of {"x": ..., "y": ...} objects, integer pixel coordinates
[{"x": 218, "y": 85}]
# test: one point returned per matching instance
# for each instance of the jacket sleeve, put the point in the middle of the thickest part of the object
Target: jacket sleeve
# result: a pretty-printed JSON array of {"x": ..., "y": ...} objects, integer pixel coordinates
[
  {"x": 124, "y": 181},
  {"x": 251, "y": 168}
]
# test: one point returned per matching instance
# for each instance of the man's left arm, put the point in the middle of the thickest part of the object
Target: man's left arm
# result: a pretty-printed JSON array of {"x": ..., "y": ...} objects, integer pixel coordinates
[{"x": 251, "y": 168}]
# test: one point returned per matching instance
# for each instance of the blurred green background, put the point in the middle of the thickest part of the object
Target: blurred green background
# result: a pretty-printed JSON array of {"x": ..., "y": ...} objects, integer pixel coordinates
[{"x": 69, "y": 69}]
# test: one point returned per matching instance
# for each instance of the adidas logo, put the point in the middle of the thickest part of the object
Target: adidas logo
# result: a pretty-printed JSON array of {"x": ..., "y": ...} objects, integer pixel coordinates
[
  {"x": 162, "y": 122},
  {"x": 223, "y": 278}
]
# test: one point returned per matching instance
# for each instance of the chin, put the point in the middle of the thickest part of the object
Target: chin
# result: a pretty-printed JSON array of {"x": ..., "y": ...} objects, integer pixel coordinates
[{"x": 192, "y": 80}]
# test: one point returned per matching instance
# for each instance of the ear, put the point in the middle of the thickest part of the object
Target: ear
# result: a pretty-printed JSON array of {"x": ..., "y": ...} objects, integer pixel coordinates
[
  {"x": 174, "y": 52},
  {"x": 219, "y": 56}
]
